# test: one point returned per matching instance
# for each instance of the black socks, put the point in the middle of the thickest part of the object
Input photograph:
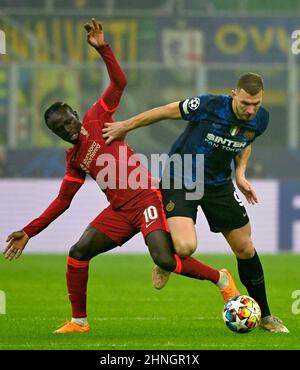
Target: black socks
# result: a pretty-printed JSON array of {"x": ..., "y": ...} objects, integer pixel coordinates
[{"x": 252, "y": 276}]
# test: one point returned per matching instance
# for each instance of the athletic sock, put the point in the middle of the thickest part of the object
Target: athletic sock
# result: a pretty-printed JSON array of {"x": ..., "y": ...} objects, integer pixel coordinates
[
  {"x": 223, "y": 281},
  {"x": 77, "y": 278},
  {"x": 80, "y": 321},
  {"x": 192, "y": 268},
  {"x": 252, "y": 276}
]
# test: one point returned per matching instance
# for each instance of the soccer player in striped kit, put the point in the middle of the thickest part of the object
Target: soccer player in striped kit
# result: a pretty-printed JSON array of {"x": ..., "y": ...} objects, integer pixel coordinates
[
  {"x": 132, "y": 208},
  {"x": 222, "y": 128}
]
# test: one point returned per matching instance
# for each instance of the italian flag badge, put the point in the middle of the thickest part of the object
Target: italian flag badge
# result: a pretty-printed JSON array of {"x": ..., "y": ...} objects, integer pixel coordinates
[{"x": 234, "y": 130}]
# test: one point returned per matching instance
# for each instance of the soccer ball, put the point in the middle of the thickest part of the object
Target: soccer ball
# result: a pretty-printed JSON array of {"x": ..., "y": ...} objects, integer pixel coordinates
[{"x": 241, "y": 314}]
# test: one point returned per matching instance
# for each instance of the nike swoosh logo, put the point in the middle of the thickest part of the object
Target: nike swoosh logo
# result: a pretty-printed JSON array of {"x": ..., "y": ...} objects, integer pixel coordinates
[{"x": 150, "y": 224}]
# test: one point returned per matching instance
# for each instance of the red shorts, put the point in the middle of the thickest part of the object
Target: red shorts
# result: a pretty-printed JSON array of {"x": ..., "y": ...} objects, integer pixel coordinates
[{"x": 143, "y": 213}]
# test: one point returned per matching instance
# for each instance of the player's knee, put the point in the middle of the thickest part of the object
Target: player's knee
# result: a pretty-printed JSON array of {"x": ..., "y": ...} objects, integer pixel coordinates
[
  {"x": 78, "y": 252},
  {"x": 185, "y": 248},
  {"x": 245, "y": 249}
]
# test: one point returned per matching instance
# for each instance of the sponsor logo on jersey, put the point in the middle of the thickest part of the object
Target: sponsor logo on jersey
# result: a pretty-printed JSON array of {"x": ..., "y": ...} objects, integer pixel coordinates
[
  {"x": 92, "y": 151},
  {"x": 149, "y": 224},
  {"x": 170, "y": 206},
  {"x": 85, "y": 169},
  {"x": 224, "y": 143}
]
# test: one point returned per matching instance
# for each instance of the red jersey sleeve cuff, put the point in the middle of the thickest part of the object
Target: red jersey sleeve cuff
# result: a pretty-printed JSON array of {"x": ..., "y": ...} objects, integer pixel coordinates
[
  {"x": 74, "y": 179},
  {"x": 26, "y": 231}
]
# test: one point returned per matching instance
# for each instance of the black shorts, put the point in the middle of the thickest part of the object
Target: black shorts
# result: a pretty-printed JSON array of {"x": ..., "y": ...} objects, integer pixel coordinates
[{"x": 223, "y": 208}]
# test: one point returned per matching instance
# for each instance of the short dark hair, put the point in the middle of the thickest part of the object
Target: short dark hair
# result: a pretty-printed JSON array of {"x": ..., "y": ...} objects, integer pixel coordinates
[
  {"x": 55, "y": 108},
  {"x": 252, "y": 83}
]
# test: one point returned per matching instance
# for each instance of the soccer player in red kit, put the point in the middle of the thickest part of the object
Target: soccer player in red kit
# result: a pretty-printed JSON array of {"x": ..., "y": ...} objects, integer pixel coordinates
[{"x": 132, "y": 208}]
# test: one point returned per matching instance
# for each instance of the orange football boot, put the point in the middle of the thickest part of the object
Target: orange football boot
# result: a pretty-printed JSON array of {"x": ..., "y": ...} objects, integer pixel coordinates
[{"x": 71, "y": 327}]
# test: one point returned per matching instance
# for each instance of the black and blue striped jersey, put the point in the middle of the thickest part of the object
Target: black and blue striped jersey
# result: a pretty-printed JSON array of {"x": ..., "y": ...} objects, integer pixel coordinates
[{"x": 215, "y": 131}]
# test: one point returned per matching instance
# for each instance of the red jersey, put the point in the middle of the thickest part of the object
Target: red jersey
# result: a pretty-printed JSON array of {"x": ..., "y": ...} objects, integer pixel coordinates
[{"x": 115, "y": 167}]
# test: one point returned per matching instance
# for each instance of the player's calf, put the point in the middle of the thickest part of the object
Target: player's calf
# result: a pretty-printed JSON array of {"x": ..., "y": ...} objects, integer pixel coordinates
[{"x": 165, "y": 262}]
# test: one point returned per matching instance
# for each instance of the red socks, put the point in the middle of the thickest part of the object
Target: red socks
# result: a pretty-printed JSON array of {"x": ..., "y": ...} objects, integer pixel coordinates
[
  {"x": 77, "y": 278},
  {"x": 195, "y": 269}
]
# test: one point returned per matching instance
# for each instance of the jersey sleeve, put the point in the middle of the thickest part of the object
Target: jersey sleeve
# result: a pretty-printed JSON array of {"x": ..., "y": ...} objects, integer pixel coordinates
[
  {"x": 61, "y": 203},
  {"x": 192, "y": 108},
  {"x": 72, "y": 172},
  {"x": 111, "y": 97},
  {"x": 72, "y": 182}
]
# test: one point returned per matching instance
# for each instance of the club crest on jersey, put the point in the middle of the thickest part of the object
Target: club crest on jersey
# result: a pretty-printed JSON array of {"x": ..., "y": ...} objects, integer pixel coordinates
[
  {"x": 170, "y": 206},
  {"x": 83, "y": 131},
  {"x": 194, "y": 103},
  {"x": 234, "y": 130},
  {"x": 249, "y": 134}
]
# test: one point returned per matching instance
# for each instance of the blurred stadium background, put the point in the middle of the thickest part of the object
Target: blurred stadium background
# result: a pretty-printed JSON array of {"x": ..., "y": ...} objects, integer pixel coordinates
[{"x": 169, "y": 49}]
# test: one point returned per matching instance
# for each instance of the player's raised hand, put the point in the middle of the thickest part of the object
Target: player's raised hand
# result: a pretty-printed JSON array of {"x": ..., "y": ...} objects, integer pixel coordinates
[
  {"x": 17, "y": 242},
  {"x": 114, "y": 131},
  {"x": 95, "y": 34},
  {"x": 247, "y": 189}
]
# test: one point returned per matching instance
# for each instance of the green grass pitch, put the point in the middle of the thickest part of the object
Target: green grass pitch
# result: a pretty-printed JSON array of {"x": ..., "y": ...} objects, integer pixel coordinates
[{"x": 125, "y": 312}]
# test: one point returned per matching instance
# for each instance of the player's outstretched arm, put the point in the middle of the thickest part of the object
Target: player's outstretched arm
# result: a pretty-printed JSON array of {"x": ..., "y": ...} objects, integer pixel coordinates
[
  {"x": 110, "y": 99},
  {"x": 18, "y": 239},
  {"x": 117, "y": 130},
  {"x": 241, "y": 161},
  {"x": 16, "y": 243}
]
